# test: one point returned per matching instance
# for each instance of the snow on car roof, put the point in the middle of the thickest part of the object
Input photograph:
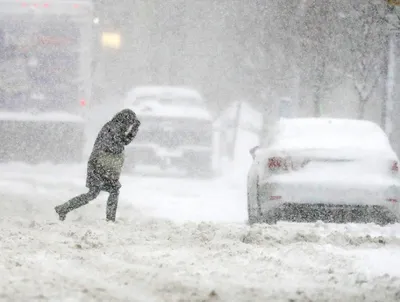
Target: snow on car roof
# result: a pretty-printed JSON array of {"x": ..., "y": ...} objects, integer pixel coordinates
[
  {"x": 172, "y": 101},
  {"x": 165, "y": 90},
  {"x": 334, "y": 124},
  {"x": 328, "y": 133},
  {"x": 154, "y": 108}
]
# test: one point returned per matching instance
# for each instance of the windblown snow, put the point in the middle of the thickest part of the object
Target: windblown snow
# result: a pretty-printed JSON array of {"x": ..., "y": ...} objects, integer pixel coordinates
[{"x": 179, "y": 240}]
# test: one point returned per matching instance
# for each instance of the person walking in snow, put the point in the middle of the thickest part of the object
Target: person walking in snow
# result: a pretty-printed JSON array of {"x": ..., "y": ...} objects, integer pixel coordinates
[{"x": 105, "y": 164}]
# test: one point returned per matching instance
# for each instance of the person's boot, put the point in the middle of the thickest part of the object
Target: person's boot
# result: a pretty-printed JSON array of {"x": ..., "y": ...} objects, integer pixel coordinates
[{"x": 61, "y": 214}]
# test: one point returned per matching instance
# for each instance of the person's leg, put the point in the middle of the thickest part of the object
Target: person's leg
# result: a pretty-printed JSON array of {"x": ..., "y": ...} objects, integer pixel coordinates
[
  {"x": 77, "y": 202},
  {"x": 112, "y": 204}
]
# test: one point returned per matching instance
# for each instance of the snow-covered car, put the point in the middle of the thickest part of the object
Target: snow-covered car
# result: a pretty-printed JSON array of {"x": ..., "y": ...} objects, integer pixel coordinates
[
  {"x": 333, "y": 170},
  {"x": 176, "y": 129}
]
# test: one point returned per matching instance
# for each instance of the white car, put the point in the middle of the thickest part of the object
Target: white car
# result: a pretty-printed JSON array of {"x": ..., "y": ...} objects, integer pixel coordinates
[
  {"x": 176, "y": 130},
  {"x": 333, "y": 170}
]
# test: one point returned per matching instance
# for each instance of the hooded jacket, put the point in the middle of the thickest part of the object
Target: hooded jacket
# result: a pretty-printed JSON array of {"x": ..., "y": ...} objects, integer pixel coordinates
[{"x": 107, "y": 157}]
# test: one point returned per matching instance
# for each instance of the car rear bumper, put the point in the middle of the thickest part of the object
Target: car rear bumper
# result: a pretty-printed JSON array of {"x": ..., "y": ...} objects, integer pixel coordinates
[
  {"x": 333, "y": 195},
  {"x": 334, "y": 213}
]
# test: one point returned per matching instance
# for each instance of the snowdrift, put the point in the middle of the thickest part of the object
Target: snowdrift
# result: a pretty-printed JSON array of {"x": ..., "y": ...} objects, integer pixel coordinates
[{"x": 143, "y": 258}]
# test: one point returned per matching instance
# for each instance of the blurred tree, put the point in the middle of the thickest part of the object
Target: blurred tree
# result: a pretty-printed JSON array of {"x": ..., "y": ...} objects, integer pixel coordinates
[
  {"x": 368, "y": 44},
  {"x": 392, "y": 15},
  {"x": 320, "y": 43}
]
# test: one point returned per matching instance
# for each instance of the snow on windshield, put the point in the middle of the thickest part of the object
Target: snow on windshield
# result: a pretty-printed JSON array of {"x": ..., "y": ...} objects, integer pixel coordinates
[{"x": 176, "y": 101}]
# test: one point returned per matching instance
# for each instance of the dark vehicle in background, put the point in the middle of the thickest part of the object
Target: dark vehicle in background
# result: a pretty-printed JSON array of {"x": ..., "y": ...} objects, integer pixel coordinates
[
  {"x": 176, "y": 130},
  {"x": 45, "y": 79}
]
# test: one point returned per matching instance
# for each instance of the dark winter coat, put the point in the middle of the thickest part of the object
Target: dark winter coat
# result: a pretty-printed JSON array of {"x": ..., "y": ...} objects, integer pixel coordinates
[{"x": 106, "y": 160}]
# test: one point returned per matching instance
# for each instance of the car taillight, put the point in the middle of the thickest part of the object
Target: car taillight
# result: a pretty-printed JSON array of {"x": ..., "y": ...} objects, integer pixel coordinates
[
  {"x": 276, "y": 164},
  {"x": 395, "y": 167}
]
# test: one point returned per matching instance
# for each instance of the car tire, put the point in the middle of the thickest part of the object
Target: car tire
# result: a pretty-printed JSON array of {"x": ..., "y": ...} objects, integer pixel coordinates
[
  {"x": 253, "y": 216},
  {"x": 271, "y": 218},
  {"x": 252, "y": 219}
]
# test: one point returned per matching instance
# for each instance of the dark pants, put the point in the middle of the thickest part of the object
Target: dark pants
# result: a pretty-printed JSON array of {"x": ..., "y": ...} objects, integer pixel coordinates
[{"x": 83, "y": 199}]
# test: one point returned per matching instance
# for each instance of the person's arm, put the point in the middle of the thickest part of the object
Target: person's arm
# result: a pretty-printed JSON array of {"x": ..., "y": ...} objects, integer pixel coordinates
[
  {"x": 132, "y": 133},
  {"x": 130, "y": 136}
]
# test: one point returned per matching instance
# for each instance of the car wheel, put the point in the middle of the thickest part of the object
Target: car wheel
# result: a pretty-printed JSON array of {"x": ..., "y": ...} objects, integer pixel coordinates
[
  {"x": 271, "y": 218},
  {"x": 252, "y": 198},
  {"x": 252, "y": 218}
]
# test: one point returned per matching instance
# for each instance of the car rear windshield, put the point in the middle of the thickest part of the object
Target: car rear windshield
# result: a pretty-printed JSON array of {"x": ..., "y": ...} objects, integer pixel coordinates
[{"x": 351, "y": 134}]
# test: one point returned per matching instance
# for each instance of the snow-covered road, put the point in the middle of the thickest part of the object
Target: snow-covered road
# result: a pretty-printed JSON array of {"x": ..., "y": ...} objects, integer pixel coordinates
[{"x": 179, "y": 240}]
